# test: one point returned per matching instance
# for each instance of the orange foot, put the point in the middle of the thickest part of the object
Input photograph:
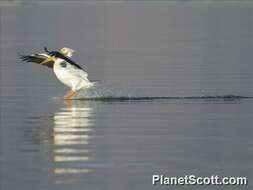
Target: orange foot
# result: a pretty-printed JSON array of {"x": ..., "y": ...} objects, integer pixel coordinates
[
  {"x": 68, "y": 103},
  {"x": 70, "y": 95}
]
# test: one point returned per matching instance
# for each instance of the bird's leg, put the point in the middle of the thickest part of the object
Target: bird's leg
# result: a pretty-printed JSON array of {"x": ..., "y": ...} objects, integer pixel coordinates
[
  {"x": 70, "y": 94},
  {"x": 68, "y": 103}
]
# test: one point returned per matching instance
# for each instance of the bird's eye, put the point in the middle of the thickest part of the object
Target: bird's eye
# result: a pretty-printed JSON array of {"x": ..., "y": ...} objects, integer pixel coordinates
[
  {"x": 63, "y": 64},
  {"x": 64, "y": 50}
]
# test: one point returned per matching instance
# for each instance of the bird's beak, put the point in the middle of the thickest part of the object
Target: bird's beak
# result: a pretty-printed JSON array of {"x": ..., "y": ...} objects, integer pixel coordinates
[{"x": 50, "y": 58}]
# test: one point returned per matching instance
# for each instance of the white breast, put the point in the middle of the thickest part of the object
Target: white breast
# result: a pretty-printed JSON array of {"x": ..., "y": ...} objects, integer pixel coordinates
[{"x": 71, "y": 77}]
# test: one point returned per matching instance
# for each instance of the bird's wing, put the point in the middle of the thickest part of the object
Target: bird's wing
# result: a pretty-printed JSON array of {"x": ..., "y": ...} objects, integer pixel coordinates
[
  {"x": 58, "y": 54},
  {"x": 42, "y": 59}
]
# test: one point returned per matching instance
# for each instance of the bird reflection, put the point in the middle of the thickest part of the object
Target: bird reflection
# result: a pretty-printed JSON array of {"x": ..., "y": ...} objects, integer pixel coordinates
[{"x": 70, "y": 138}]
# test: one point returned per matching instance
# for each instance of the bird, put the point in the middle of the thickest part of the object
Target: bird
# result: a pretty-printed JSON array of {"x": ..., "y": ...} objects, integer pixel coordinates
[{"x": 66, "y": 70}]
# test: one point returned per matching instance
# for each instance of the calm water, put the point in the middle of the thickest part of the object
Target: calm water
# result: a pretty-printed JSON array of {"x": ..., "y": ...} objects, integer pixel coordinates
[{"x": 157, "y": 49}]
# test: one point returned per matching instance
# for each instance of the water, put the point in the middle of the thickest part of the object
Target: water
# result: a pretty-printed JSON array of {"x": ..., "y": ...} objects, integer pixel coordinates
[{"x": 195, "y": 55}]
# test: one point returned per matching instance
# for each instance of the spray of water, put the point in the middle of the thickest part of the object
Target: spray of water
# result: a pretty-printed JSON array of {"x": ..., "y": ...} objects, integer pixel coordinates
[
  {"x": 103, "y": 92},
  {"x": 106, "y": 92}
]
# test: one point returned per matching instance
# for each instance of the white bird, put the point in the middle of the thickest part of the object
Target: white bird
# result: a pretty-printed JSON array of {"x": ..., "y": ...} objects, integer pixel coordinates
[{"x": 65, "y": 69}]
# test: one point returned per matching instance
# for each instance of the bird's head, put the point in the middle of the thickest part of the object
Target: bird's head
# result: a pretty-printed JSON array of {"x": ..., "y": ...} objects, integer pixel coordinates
[{"x": 67, "y": 51}]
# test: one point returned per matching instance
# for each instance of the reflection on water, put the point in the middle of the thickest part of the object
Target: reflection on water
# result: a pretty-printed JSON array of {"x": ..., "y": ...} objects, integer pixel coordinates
[
  {"x": 109, "y": 144},
  {"x": 72, "y": 125}
]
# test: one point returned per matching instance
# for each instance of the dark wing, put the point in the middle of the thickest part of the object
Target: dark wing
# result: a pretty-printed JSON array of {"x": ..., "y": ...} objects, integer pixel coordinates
[
  {"x": 65, "y": 58},
  {"x": 37, "y": 58}
]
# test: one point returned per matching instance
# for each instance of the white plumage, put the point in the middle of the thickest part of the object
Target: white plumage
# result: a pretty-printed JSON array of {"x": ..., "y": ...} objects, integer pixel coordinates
[
  {"x": 66, "y": 70},
  {"x": 71, "y": 76}
]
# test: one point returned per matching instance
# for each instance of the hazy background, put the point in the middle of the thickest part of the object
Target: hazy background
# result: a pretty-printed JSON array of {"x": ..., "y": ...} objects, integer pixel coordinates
[{"x": 165, "y": 48}]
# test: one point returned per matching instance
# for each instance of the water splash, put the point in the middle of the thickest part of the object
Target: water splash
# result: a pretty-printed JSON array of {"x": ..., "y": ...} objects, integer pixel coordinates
[
  {"x": 106, "y": 92},
  {"x": 100, "y": 92}
]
